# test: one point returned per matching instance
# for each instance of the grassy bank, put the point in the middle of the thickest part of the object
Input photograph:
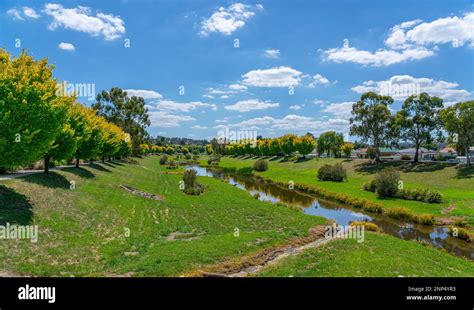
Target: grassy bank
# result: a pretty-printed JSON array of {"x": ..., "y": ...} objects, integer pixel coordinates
[
  {"x": 84, "y": 231},
  {"x": 378, "y": 256},
  {"x": 456, "y": 185}
]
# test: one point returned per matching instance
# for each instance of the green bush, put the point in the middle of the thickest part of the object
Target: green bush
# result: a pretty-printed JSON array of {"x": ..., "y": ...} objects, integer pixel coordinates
[
  {"x": 367, "y": 225},
  {"x": 423, "y": 195},
  {"x": 402, "y": 214},
  {"x": 163, "y": 160},
  {"x": 172, "y": 164},
  {"x": 425, "y": 219},
  {"x": 460, "y": 233},
  {"x": 188, "y": 156},
  {"x": 260, "y": 165},
  {"x": 369, "y": 186},
  {"x": 386, "y": 183},
  {"x": 191, "y": 186},
  {"x": 336, "y": 173}
]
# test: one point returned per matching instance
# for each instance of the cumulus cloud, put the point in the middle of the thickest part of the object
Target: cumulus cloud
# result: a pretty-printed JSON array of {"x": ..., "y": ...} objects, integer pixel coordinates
[
  {"x": 274, "y": 77},
  {"x": 82, "y": 19},
  {"x": 199, "y": 127},
  {"x": 227, "y": 20},
  {"x": 400, "y": 87},
  {"x": 164, "y": 119},
  {"x": 66, "y": 46},
  {"x": 251, "y": 105},
  {"x": 340, "y": 110},
  {"x": 170, "y": 105},
  {"x": 23, "y": 13},
  {"x": 295, "y": 107},
  {"x": 317, "y": 80},
  {"x": 145, "y": 94},
  {"x": 272, "y": 53}
]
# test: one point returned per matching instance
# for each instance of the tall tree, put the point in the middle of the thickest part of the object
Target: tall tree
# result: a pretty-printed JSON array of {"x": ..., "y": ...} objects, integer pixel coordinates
[
  {"x": 458, "y": 120},
  {"x": 129, "y": 113},
  {"x": 330, "y": 142},
  {"x": 372, "y": 120},
  {"x": 31, "y": 113},
  {"x": 418, "y": 119},
  {"x": 305, "y": 144},
  {"x": 287, "y": 144}
]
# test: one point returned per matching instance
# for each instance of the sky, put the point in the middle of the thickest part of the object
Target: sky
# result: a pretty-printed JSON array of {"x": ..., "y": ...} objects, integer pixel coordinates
[{"x": 270, "y": 67}]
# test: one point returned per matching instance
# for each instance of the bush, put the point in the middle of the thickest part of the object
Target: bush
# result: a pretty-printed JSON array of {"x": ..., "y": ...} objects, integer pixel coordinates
[
  {"x": 367, "y": 225},
  {"x": 425, "y": 219},
  {"x": 213, "y": 160},
  {"x": 406, "y": 157},
  {"x": 195, "y": 157},
  {"x": 245, "y": 171},
  {"x": 260, "y": 165},
  {"x": 369, "y": 186},
  {"x": 460, "y": 233},
  {"x": 163, "y": 160},
  {"x": 191, "y": 187},
  {"x": 172, "y": 164},
  {"x": 336, "y": 173},
  {"x": 372, "y": 207},
  {"x": 386, "y": 183},
  {"x": 460, "y": 223},
  {"x": 188, "y": 156},
  {"x": 402, "y": 214},
  {"x": 423, "y": 195}
]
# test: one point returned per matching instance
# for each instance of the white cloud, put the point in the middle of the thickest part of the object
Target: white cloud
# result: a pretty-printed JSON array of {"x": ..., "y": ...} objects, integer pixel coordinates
[
  {"x": 238, "y": 87},
  {"x": 66, "y": 46},
  {"x": 318, "y": 79},
  {"x": 199, "y": 127},
  {"x": 272, "y": 53},
  {"x": 381, "y": 57},
  {"x": 340, "y": 110},
  {"x": 29, "y": 12},
  {"x": 295, "y": 107},
  {"x": 400, "y": 87},
  {"x": 164, "y": 119},
  {"x": 251, "y": 105},
  {"x": 455, "y": 30},
  {"x": 227, "y": 20},
  {"x": 170, "y": 105},
  {"x": 225, "y": 97},
  {"x": 83, "y": 20},
  {"x": 145, "y": 94},
  {"x": 274, "y": 77},
  {"x": 320, "y": 102},
  {"x": 16, "y": 14}
]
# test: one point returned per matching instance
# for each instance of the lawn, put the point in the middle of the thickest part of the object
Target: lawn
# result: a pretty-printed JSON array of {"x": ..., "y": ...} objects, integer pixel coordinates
[
  {"x": 99, "y": 229},
  {"x": 378, "y": 256},
  {"x": 456, "y": 185}
]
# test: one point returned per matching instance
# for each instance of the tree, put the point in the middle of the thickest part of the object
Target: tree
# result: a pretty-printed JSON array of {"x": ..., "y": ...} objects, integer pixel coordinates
[
  {"x": 129, "y": 113},
  {"x": 418, "y": 118},
  {"x": 275, "y": 149},
  {"x": 31, "y": 113},
  {"x": 87, "y": 124},
  {"x": 287, "y": 144},
  {"x": 372, "y": 120},
  {"x": 347, "y": 148},
  {"x": 458, "y": 120},
  {"x": 305, "y": 144},
  {"x": 330, "y": 142}
]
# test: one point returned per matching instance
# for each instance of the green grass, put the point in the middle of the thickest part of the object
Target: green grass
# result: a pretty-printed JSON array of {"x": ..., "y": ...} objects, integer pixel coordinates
[
  {"x": 82, "y": 232},
  {"x": 378, "y": 256},
  {"x": 456, "y": 185}
]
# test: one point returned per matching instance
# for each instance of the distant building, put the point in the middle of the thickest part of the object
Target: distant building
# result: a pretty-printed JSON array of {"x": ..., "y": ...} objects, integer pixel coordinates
[{"x": 423, "y": 153}]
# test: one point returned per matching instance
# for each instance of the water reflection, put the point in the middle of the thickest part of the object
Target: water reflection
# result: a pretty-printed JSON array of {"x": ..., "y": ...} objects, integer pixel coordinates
[{"x": 343, "y": 215}]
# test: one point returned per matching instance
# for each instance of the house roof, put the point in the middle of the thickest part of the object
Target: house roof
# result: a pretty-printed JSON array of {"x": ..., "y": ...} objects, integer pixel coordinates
[
  {"x": 388, "y": 150},
  {"x": 413, "y": 150},
  {"x": 448, "y": 150}
]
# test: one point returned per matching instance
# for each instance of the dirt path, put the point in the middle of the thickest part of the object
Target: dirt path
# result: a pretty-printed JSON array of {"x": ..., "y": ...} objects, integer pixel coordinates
[{"x": 250, "y": 265}]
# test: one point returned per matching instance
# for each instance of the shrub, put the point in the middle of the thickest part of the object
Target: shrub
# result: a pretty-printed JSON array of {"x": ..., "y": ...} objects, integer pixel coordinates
[
  {"x": 402, "y": 214},
  {"x": 425, "y": 219},
  {"x": 460, "y": 233},
  {"x": 260, "y": 165},
  {"x": 213, "y": 160},
  {"x": 386, "y": 183},
  {"x": 191, "y": 187},
  {"x": 406, "y": 157},
  {"x": 245, "y": 171},
  {"x": 367, "y": 225},
  {"x": 163, "y": 160},
  {"x": 336, "y": 173},
  {"x": 369, "y": 186},
  {"x": 188, "y": 156},
  {"x": 195, "y": 157},
  {"x": 460, "y": 223},
  {"x": 424, "y": 195},
  {"x": 372, "y": 207},
  {"x": 172, "y": 164}
]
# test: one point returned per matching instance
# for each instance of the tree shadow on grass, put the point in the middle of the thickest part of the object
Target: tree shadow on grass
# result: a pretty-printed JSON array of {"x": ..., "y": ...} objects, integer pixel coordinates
[
  {"x": 465, "y": 172},
  {"x": 14, "y": 207},
  {"x": 99, "y": 167},
  {"x": 302, "y": 159},
  {"x": 109, "y": 165},
  {"x": 80, "y": 172},
  {"x": 52, "y": 180},
  {"x": 374, "y": 167}
]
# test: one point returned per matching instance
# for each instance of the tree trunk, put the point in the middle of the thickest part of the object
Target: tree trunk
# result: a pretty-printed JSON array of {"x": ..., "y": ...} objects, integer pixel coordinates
[
  {"x": 416, "y": 152},
  {"x": 46, "y": 164},
  {"x": 91, "y": 161},
  {"x": 77, "y": 162},
  {"x": 468, "y": 158},
  {"x": 103, "y": 159}
]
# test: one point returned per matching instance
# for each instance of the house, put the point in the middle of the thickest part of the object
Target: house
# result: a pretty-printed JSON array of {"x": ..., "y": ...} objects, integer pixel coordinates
[
  {"x": 360, "y": 153},
  {"x": 423, "y": 153},
  {"x": 448, "y": 153},
  {"x": 389, "y": 154}
]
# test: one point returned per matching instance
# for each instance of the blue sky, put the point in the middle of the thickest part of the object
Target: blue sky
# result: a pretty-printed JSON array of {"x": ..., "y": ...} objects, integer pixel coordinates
[{"x": 269, "y": 66}]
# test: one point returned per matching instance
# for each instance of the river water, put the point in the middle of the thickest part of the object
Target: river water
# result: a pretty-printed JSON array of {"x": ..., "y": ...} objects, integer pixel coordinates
[{"x": 343, "y": 215}]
